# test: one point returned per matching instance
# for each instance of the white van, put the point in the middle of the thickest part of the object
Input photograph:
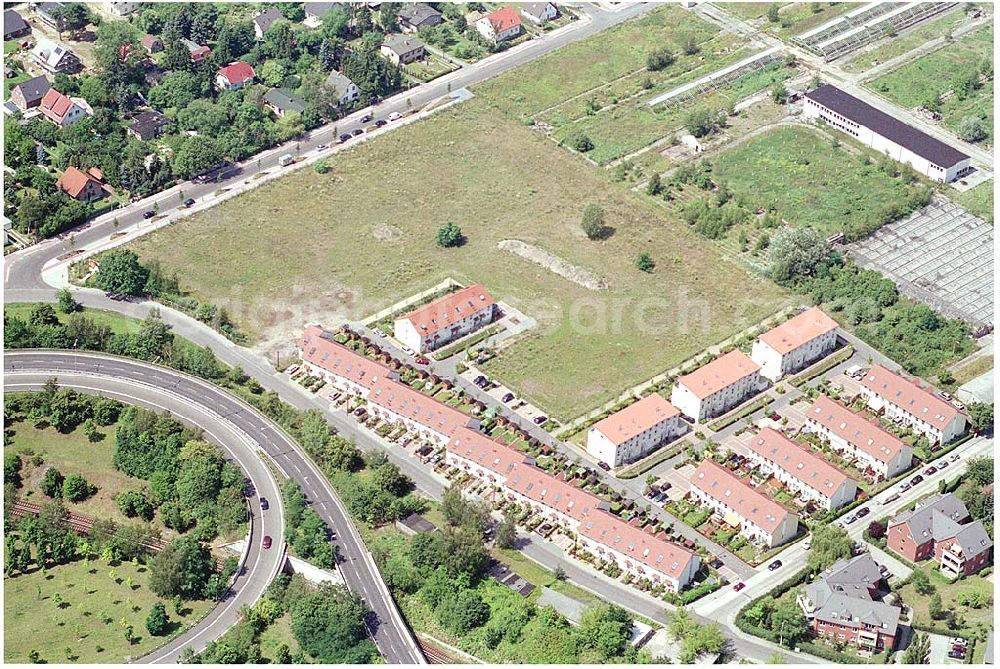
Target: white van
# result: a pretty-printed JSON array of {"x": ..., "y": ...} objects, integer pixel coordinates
[{"x": 285, "y": 160}]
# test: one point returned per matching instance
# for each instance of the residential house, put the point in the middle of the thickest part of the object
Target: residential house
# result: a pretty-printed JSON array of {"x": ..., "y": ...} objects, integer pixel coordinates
[
  {"x": 234, "y": 76},
  {"x": 402, "y": 49},
  {"x": 718, "y": 386},
  {"x": 538, "y": 12},
  {"x": 844, "y": 606},
  {"x": 342, "y": 368},
  {"x": 282, "y": 102},
  {"x": 197, "y": 52},
  {"x": 315, "y": 11},
  {"x": 152, "y": 44},
  {"x": 886, "y": 134},
  {"x": 345, "y": 89},
  {"x": 120, "y": 8},
  {"x": 47, "y": 12},
  {"x": 62, "y": 110},
  {"x": 758, "y": 517},
  {"x": 28, "y": 94},
  {"x": 14, "y": 26},
  {"x": 500, "y": 25},
  {"x": 906, "y": 400},
  {"x": 148, "y": 125},
  {"x": 264, "y": 20},
  {"x": 421, "y": 415},
  {"x": 483, "y": 458},
  {"x": 54, "y": 57},
  {"x": 938, "y": 528},
  {"x": 414, "y": 16},
  {"x": 635, "y": 431},
  {"x": 796, "y": 343},
  {"x": 83, "y": 186},
  {"x": 802, "y": 471},
  {"x": 446, "y": 319}
]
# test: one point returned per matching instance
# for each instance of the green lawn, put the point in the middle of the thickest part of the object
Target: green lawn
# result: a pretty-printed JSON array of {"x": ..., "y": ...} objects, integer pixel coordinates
[
  {"x": 978, "y": 200},
  {"x": 277, "y": 633},
  {"x": 86, "y": 626},
  {"x": 116, "y": 322},
  {"x": 912, "y": 84},
  {"x": 799, "y": 17},
  {"x": 863, "y": 60},
  {"x": 973, "y": 620},
  {"x": 329, "y": 258},
  {"x": 809, "y": 181}
]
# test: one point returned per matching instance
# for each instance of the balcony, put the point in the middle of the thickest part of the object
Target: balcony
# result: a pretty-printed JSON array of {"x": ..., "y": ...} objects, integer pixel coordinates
[{"x": 867, "y": 638}]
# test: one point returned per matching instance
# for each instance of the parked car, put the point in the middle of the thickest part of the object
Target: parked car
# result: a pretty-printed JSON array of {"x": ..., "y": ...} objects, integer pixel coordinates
[
  {"x": 808, "y": 543},
  {"x": 955, "y": 457},
  {"x": 266, "y": 543},
  {"x": 905, "y": 486},
  {"x": 322, "y": 147},
  {"x": 862, "y": 512},
  {"x": 344, "y": 137},
  {"x": 358, "y": 131},
  {"x": 892, "y": 498},
  {"x": 943, "y": 464},
  {"x": 360, "y": 411},
  {"x": 264, "y": 506},
  {"x": 285, "y": 159},
  {"x": 916, "y": 480},
  {"x": 850, "y": 519},
  {"x": 148, "y": 214},
  {"x": 540, "y": 419},
  {"x": 421, "y": 360},
  {"x": 739, "y": 586},
  {"x": 507, "y": 397},
  {"x": 930, "y": 470},
  {"x": 605, "y": 466},
  {"x": 189, "y": 202},
  {"x": 394, "y": 116},
  {"x": 774, "y": 566},
  {"x": 379, "y": 123},
  {"x": 367, "y": 118}
]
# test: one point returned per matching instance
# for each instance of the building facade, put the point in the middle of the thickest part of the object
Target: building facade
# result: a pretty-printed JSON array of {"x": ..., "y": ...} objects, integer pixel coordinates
[
  {"x": 718, "y": 386},
  {"x": 916, "y": 406},
  {"x": 342, "y": 368},
  {"x": 795, "y": 344},
  {"x": 446, "y": 319},
  {"x": 938, "y": 528},
  {"x": 635, "y": 431},
  {"x": 802, "y": 471}
]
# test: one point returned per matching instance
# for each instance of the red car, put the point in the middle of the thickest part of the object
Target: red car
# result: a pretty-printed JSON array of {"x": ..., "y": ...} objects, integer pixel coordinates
[
  {"x": 739, "y": 586},
  {"x": 266, "y": 543}
]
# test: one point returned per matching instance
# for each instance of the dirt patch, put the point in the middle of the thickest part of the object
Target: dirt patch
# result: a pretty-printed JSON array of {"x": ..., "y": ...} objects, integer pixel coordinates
[
  {"x": 387, "y": 233},
  {"x": 554, "y": 264}
]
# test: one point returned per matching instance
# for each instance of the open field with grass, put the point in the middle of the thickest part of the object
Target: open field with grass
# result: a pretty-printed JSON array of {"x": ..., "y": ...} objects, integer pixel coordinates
[
  {"x": 914, "y": 83},
  {"x": 978, "y": 200},
  {"x": 86, "y": 626},
  {"x": 115, "y": 322},
  {"x": 796, "y": 18},
  {"x": 807, "y": 179},
  {"x": 345, "y": 244},
  {"x": 972, "y": 620},
  {"x": 748, "y": 10},
  {"x": 892, "y": 47}
]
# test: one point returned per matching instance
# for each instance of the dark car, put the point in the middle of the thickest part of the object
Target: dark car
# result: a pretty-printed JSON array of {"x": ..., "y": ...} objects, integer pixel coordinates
[
  {"x": 189, "y": 202},
  {"x": 381, "y": 122},
  {"x": 148, "y": 214},
  {"x": 508, "y": 397},
  {"x": 862, "y": 512},
  {"x": 774, "y": 565},
  {"x": 916, "y": 479},
  {"x": 739, "y": 586},
  {"x": 367, "y": 118},
  {"x": 263, "y": 504},
  {"x": 344, "y": 137},
  {"x": 480, "y": 380},
  {"x": 267, "y": 542},
  {"x": 605, "y": 466},
  {"x": 540, "y": 419},
  {"x": 930, "y": 470},
  {"x": 358, "y": 131}
]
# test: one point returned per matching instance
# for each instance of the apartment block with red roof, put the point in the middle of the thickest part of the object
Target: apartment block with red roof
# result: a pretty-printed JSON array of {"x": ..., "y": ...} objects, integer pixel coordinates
[
  {"x": 635, "y": 431},
  {"x": 718, "y": 386},
  {"x": 421, "y": 415},
  {"x": 758, "y": 516},
  {"x": 802, "y": 471},
  {"x": 907, "y": 400},
  {"x": 234, "y": 76},
  {"x": 795, "y": 344},
  {"x": 501, "y": 25},
  {"x": 878, "y": 453},
  {"x": 342, "y": 368},
  {"x": 446, "y": 319}
]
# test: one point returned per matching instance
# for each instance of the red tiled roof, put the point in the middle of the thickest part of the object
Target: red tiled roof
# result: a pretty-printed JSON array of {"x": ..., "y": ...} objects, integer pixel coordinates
[
  {"x": 801, "y": 463},
  {"x": 538, "y": 485},
  {"x": 635, "y": 419},
  {"x": 149, "y": 41},
  {"x": 718, "y": 374},
  {"x": 724, "y": 486},
  {"x": 237, "y": 73},
  {"x": 414, "y": 405},
  {"x": 339, "y": 359},
  {"x": 910, "y": 396},
  {"x": 503, "y": 19},
  {"x": 798, "y": 330},
  {"x": 664, "y": 556},
  {"x": 74, "y": 180},
  {"x": 477, "y": 447},
  {"x": 55, "y": 105},
  {"x": 443, "y": 312},
  {"x": 855, "y": 429}
]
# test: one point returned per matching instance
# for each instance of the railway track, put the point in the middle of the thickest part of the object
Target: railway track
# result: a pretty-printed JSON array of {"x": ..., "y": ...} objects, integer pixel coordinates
[{"x": 434, "y": 654}]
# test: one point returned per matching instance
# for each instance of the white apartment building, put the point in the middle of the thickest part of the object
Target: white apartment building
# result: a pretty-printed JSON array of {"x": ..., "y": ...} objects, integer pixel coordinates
[
  {"x": 759, "y": 517},
  {"x": 717, "y": 387},
  {"x": 446, "y": 319},
  {"x": 795, "y": 344},
  {"x": 876, "y": 129},
  {"x": 905, "y": 399},
  {"x": 635, "y": 431},
  {"x": 342, "y": 368},
  {"x": 807, "y": 474},
  {"x": 879, "y": 454}
]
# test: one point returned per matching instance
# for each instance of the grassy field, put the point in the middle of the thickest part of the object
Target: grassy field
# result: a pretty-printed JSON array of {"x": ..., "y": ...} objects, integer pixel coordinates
[
  {"x": 748, "y": 10},
  {"x": 799, "y": 17},
  {"x": 348, "y": 243},
  {"x": 886, "y": 50},
  {"x": 973, "y": 619},
  {"x": 277, "y": 633},
  {"x": 913, "y": 83},
  {"x": 978, "y": 200},
  {"x": 116, "y": 322},
  {"x": 809, "y": 181},
  {"x": 86, "y": 627}
]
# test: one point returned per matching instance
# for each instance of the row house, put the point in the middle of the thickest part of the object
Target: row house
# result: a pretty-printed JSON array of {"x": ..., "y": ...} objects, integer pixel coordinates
[
  {"x": 802, "y": 471},
  {"x": 446, "y": 319},
  {"x": 882, "y": 455},
  {"x": 342, "y": 368},
  {"x": 795, "y": 344},
  {"x": 916, "y": 406},
  {"x": 758, "y": 516},
  {"x": 938, "y": 528},
  {"x": 635, "y": 431},
  {"x": 718, "y": 386},
  {"x": 421, "y": 415},
  {"x": 483, "y": 458}
]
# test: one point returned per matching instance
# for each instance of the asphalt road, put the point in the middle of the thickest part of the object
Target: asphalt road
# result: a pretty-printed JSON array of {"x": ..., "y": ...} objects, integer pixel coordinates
[{"x": 219, "y": 412}]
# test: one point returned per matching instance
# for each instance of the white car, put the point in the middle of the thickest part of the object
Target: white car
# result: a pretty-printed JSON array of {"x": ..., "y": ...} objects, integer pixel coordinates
[{"x": 394, "y": 116}]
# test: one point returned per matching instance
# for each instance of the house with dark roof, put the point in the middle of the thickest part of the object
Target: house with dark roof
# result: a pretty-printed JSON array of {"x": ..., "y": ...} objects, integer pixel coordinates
[
  {"x": 148, "y": 125},
  {"x": 938, "y": 528},
  {"x": 282, "y": 102},
  {"x": 401, "y": 49},
  {"x": 884, "y": 133},
  {"x": 46, "y": 12},
  {"x": 538, "y": 12},
  {"x": 28, "y": 94},
  {"x": 152, "y": 44},
  {"x": 265, "y": 20},
  {"x": 345, "y": 89},
  {"x": 317, "y": 10},
  {"x": 14, "y": 26},
  {"x": 412, "y": 17}
]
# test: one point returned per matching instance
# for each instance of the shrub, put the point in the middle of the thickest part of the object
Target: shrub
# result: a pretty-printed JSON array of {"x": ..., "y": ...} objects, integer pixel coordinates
[
  {"x": 660, "y": 59},
  {"x": 578, "y": 141},
  {"x": 450, "y": 235}
]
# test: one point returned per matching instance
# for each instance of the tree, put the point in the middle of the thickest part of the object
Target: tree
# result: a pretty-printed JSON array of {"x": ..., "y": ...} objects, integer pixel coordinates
[
  {"x": 76, "y": 488},
  {"x": 829, "y": 544},
  {"x": 935, "y": 608},
  {"x": 779, "y": 93},
  {"x": 450, "y": 235},
  {"x": 772, "y": 14},
  {"x": 653, "y": 187},
  {"x": 644, "y": 262},
  {"x": 133, "y": 503},
  {"x": 918, "y": 652},
  {"x": 981, "y": 418},
  {"x": 876, "y": 529},
  {"x": 196, "y": 156},
  {"x": 593, "y": 221},
  {"x": 182, "y": 568},
  {"x": 388, "y": 478},
  {"x": 462, "y": 612},
  {"x": 659, "y": 59},
  {"x": 789, "y": 623},
  {"x": 52, "y": 483},
  {"x": 157, "y": 622},
  {"x": 796, "y": 252},
  {"x": 121, "y": 272},
  {"x": 329, "y": 625},
  {"x": 12, "y": 469},
  {"x": 506, "y": 535},
  {"x": 67, "y": 304},
  {"x": 972, "y": 129},
  {"x": 579, "y": 141},
  {"x": 921, "y": 583}
]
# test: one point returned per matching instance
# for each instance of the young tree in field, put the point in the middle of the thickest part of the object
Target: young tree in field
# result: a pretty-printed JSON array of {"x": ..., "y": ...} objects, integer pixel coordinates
[
  {"x": 76, "y": 488},
  {"x": 772, "y": 14},
  {"x": 779, "y": 93},
  {"x": 157, "y": 622},
  {"x": 593, "y": 221},
  {"x": 653, "y": 187},
  {"x": 644, "y": 262},
  {"x": 659, "y": 59},
  {"x": 795, "y": 253},
  {"x": 52, "y": 483},
  {"x": 449, "y": 235}
]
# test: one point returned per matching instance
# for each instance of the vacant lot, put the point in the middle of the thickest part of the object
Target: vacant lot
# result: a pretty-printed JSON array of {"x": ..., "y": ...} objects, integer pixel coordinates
[
  {"x": 917, "y": 81},
  {"x": 897, "y": 46},
  {"x": 86, "y": 625},
  {"x": 978, "y": 200},
  {"x": 808, "y": 180},
  {"x": 973, "y": 620},
  {"x": 305, "y": 249}
]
